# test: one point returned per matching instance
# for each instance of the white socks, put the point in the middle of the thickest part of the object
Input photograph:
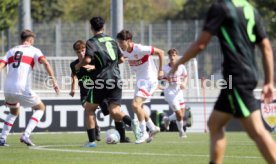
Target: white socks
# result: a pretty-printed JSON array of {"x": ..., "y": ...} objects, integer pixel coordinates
[
  {"x": 7, "y": 126},
  {"x": 150, "y": 125},
  {"x": 33, "y": 122},
  {"x": 180, "y": 126},
  {"x": 143, "y": 126}
]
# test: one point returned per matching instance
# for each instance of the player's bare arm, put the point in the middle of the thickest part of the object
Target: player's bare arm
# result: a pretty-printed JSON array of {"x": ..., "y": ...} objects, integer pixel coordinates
[
  {"x": 50, "y": 73},
  {"x": 73, "y": 85},
  {"x": 85, "y": 63},
  {"x": 2, "y": 65},
  {"x": 160, "y": 54},
  {"x": 194, "y": 49},
  {"x": 267, "y": 93}
]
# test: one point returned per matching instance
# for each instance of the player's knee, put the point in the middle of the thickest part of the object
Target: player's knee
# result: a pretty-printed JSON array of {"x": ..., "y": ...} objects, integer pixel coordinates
[
  {"x": 179, "y": 115},
  {"x": 116, "y": 115},
  {"x": 135, "y": 106},
  {"x": 89, "y": 111},
  {"x": 40, "y": 106}
]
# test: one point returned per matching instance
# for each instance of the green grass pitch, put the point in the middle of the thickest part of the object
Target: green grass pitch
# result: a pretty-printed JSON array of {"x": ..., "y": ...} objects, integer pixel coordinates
[{"x": 166, "y": 148}]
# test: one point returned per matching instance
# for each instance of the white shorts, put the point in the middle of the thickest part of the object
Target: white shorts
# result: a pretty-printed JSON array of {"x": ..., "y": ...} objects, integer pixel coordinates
[
  {"x": 175, "y": 99},
  {"x": 16, "y": 100},
  {"x": 145, "y": 88}
]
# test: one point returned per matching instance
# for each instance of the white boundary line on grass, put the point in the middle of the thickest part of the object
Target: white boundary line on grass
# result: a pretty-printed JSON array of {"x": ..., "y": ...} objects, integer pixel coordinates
[{"x": 50, "y": 148}]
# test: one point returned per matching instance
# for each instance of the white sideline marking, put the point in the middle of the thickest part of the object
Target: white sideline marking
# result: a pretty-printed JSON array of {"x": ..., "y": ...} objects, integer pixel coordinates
[{"x": 50, "y": 148}]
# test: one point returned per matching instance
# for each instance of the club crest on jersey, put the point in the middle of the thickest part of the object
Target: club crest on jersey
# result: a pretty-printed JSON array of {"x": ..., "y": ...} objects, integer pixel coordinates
[
  {"x": 269, "y": 114},
  {"x": 86, "y": 80},
  {"x": 136, "y": 56}
]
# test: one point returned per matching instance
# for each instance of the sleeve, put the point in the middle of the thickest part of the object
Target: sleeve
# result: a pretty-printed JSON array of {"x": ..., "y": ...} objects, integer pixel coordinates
[
  {"x": 38, "y": 56},
  {"x": 147, "y": 50},
  {"x": 90, "y": 49},
  {"x": 259, "y": 29},
  {"x": 214, "y": 19},
  {"x": 72, "y": 67}
]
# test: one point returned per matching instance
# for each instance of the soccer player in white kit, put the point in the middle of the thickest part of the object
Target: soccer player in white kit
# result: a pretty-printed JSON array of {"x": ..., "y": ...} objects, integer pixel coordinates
[
  {"x": 20, "y": 61},
  {"x": 140, "y": 60},
  {"x": 173, "y": 91}
]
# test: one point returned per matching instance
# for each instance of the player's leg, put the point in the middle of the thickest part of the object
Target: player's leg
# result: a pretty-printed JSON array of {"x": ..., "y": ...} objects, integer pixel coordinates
[
  {"x": 121, "y": 128},
  {"x": 216, "y": 124},
  {"x": 169, "y": 97},
  {"x": 167, "y": 120},
  {"x": 180, "y": 123},
  {"x": 143, "y": 92},
  {"x": 90, "y": 119},
  {"x": 256, "y": 130},
  {"x": 84, "y": 98},
  {"x": 137, "y": 103},
  {"x": 178, "y": 106},
  {"x": 8, "y": 123},
  {"x": 38, "y": 111},
  {"x": 183, "y": 109},
  {"x": 98, "y": 131},
  {"x": 91, "y": 122},
  {"x": 120, "y": 119},
  {"x": 153, "y": 129},
  {"x": 252, "y": 122},
  {"x": 113, "y": 105},
  {"x": 141, "y": 115}
]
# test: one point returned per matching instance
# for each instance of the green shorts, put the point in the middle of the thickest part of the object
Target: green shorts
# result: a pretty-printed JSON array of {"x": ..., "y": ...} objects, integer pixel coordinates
[{"x": 238, "y": 101}]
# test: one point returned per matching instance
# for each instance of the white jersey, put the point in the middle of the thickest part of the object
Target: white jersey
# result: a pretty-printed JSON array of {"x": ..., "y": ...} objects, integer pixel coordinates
[
  {"x": 176, "y": 79},
  {"x": 20, "y": 62},
  {"x": 173, "y": 93},
  {"x": 141, "y": 62}
]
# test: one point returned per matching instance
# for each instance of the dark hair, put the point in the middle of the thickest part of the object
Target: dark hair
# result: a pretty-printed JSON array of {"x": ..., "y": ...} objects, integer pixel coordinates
[
  {"x": 172, "y": 50},
  {"x": 79, "y": 44},
  {"x": 97, "y": 23},
  {"x": 25, "y": 34},
  {"x": 124, "y": 35}
]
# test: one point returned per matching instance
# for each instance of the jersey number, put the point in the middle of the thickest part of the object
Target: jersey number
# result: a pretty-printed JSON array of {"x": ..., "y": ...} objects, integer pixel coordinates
[
  {"x": 248, "y": 12},
  {"x": 110, "y": 50},
  {"x": 249, "y": 15},
  {"x": 17, "y": 59}
]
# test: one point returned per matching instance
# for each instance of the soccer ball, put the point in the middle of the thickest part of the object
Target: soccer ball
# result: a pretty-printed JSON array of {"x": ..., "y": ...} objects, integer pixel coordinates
[{"x": 112, "y": 136}]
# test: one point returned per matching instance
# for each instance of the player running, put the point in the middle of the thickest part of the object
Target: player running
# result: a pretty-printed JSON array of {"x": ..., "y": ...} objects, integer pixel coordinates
[
  {"x": 140, "y": 60},
  {"x": 173, "y": 92},
  {"x": 20, "y": 61},
  {"x": 239, "y": 28}
]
